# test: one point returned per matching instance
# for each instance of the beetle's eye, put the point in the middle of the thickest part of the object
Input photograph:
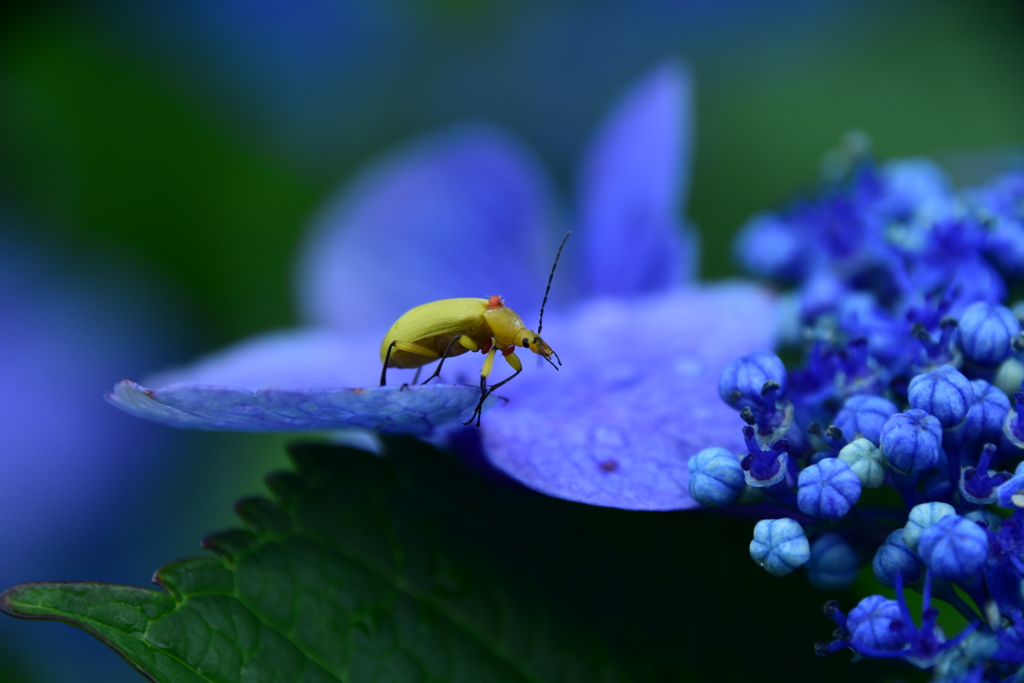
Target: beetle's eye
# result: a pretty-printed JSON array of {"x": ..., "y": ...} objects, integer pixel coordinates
[{"x": 526, "y": 342}]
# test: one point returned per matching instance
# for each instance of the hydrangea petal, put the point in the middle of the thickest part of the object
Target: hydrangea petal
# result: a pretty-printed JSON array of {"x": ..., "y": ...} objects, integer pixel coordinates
[
  {"x": 464, "y": 212},
  {"x": 302, "y": 358},
  {"x": 632, "y": 182},
  {"x": 393, "y": 410},
  {"x": 617, "y": 429}
]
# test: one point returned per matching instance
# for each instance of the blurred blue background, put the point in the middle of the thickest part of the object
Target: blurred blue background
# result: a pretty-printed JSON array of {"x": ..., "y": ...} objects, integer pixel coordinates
[{"x": 159, "y": 161}]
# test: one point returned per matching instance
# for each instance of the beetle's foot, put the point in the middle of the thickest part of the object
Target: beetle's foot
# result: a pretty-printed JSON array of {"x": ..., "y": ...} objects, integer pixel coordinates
[
  {"x": 404, "y": 387},
  {"x": 477, "y": 413}
]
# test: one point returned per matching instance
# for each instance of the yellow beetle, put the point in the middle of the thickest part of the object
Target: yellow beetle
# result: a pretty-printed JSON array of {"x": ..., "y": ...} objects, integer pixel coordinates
[{"x": 451, "y": 327}]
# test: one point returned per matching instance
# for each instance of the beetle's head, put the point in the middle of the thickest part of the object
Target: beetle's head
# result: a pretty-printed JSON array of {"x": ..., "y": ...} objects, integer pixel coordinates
[{"x": 529, "y": 339}]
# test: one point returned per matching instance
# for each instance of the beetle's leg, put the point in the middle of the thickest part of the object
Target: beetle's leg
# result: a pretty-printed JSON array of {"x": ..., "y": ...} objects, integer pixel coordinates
[
  {"x": 484, "y": 393},
  {"x": 478, "y": 411},
  {"x": 513, "y": 360},
  {"x": 516, "y": 364},
  {"x": 408, "y": 347},
  {"x": 485, "y": 371},
  {"x": 462, "y": 339},
  {"x": 387, "y": 359}
]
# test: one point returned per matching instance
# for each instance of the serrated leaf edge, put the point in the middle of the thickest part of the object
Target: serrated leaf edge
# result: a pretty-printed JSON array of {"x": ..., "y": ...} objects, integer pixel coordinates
[{"x": 6, "y": 607}]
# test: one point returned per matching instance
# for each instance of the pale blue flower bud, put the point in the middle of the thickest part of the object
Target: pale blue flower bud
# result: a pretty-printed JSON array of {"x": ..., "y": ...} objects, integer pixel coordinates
[
  {"x": 922, "y": 517},
  {"x": 779, "y": 545},
  {"x": 865, "y": 460},
  {"x": 716, "y": 477}
]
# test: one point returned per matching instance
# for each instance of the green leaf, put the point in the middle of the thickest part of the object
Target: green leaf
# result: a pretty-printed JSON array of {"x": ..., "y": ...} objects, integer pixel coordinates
[
  {"x": 415, "y": 567},
  {"x": 358, "y": 570}
]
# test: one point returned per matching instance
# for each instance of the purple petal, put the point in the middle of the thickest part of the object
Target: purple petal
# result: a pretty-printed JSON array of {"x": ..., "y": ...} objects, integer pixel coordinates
[
  {"x": 293, "y": 359},
  {"x": 636, "y": 397},
  {"x": 299, "y": 381},
  {"x": 632, "y": 185},
  {"x": 463, "y": 213},
  {"x": 391, "y": 409}
]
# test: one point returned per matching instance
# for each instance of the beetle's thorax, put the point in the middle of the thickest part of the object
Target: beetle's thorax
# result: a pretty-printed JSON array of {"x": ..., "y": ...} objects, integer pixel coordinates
[{"x": 505, "y": 324}]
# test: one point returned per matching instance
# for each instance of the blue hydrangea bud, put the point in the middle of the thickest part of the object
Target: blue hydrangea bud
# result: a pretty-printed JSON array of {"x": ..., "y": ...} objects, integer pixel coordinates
[
  {"x": 865, "y": 460},
  {"x": 893, "y": 557},
  {"x": 954, "y": 548},
  {"x": 864, "y": 415},
  {"x": 716, "y": 477},
  {"x": 779, "y": 545},
  {"x": 911, "y": 441},
  {"x": 833, "y": 564},
  {"x": 922, "y": 517},
  {"x": 986, "y": 333},
  {"x": 869, "y": 624},
  {"x": 768, "y": 246},
  {"x": 942, "y": 392},
  {"x": 743, "y": 380},
  {"x": 984, "y": 423},
  {"x": 828, "y": 489}
]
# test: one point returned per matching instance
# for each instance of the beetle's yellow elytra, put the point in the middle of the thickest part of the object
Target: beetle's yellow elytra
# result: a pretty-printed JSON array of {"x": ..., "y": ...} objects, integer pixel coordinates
[
  {"x": 432, "y": 326},
  {"x": 450, "y": 327}
]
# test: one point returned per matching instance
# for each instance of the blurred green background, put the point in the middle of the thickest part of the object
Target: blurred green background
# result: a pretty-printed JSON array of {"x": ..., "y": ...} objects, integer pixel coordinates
[{"x": 193, "y": 139}]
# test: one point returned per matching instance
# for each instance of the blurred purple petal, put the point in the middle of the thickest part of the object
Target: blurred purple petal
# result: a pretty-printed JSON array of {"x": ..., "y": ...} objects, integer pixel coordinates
[
  {"x": 636, "y": 397},
  {"x": 71, "y": 318},
  {"x": 633, "y": 182},
  {"x": 390, "y": 410},
  {"x": 461, "y": 213}
]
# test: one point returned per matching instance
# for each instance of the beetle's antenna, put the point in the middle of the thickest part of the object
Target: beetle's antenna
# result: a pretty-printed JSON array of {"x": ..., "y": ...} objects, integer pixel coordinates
[{"x": 540, "y": 323}]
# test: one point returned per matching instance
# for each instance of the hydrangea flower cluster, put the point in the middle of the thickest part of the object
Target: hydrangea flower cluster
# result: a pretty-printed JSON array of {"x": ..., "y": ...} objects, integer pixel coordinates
[{"x": 900, "y": 288}]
